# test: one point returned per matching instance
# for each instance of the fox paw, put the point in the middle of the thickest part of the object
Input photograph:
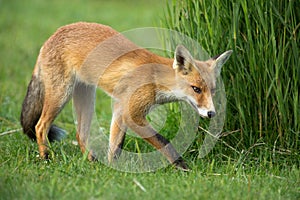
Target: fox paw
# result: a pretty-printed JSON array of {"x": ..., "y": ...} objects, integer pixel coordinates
[
  {"x": 92, "y": 157},
  {"x": 180, "y": 164}
]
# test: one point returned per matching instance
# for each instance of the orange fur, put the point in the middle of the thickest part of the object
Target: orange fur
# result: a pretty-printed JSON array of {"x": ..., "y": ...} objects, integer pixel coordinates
[{"x": 79, "y": 57}]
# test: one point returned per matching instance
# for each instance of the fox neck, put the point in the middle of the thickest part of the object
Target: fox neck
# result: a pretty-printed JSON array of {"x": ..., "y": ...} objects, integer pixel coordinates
[
  {"x": 145, "y": 68},
  {"x": 167, "y": 89}
]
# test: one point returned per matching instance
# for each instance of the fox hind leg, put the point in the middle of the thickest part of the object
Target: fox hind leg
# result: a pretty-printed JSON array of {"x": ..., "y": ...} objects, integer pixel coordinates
[
  {"x": 84, "y": 103},
  {"x": 56, "y": 96}
]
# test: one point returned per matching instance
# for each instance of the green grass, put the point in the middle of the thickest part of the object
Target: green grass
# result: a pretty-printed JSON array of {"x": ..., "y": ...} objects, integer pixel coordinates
[
  {"x": 262, "y": 77},
  {"x": 239, "y": 167},
  {"x": 69, "y": 175}
]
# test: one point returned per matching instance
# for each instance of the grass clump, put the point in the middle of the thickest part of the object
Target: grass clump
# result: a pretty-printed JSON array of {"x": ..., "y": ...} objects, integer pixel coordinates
[{"x": 262, "y": 77}]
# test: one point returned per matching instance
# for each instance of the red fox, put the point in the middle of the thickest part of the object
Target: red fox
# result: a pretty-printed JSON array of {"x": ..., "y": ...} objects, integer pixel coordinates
[{"x": 79, "y": 57}]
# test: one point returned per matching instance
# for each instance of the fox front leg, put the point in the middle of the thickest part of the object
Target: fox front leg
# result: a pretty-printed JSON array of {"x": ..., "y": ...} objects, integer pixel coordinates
[
  {"x": 167, "y": 149},
  {"x": 160, "y": 143},
  {"x": 116, "y": 137}
]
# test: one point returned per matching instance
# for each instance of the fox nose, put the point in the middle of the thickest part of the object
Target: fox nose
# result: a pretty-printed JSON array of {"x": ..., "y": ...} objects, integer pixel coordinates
[{"x": 211, "y": 114}]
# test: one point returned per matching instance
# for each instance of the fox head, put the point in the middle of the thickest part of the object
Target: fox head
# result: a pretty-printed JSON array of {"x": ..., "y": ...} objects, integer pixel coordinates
[{"x": 196, "y": 80}]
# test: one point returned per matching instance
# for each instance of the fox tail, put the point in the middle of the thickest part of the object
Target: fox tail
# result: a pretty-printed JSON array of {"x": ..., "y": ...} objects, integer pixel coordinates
[{"x": 32, "y": 108}]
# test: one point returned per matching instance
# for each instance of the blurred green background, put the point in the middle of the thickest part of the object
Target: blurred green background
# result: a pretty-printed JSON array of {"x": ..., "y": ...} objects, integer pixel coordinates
[{"x": 26, "y": 25}]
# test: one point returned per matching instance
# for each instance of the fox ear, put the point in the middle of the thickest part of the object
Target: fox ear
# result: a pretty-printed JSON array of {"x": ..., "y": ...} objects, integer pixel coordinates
[
  {"x": 219, "y": 61},
  {"x": 182, "y": 60}
]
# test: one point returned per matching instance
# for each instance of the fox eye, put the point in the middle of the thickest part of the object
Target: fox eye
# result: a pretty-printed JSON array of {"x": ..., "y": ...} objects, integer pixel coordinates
[{"x": 196, "y": 89}]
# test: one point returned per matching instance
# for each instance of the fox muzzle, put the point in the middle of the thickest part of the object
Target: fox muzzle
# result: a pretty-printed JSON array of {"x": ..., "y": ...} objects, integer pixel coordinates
[{"x": 211, "y": 114}]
